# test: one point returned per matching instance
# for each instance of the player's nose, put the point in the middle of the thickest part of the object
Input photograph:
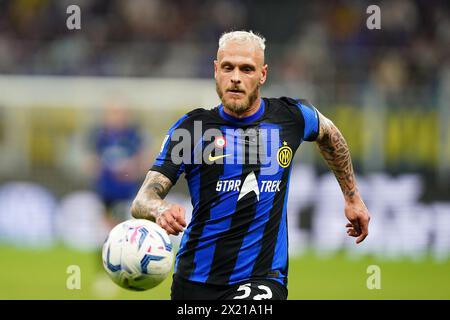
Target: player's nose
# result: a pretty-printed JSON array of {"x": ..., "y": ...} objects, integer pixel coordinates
[{"x": 236, "y": 77}]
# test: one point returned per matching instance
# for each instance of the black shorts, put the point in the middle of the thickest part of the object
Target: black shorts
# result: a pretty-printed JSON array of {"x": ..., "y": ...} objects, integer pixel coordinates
[{"x": 258, "y": 289}]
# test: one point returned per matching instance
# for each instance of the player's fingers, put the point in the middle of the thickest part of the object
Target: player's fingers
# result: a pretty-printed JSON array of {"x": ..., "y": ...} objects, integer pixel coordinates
[
  {"x": 180, "y": 216},
  {"x": 353, "y": 222},
  {"x": 365, "y": 225},
  {"x": 364, "y": 230},
  {"x": 172, "y": 222},
  {"x": 163, "y": 224},
  {"x": 361, "y": 238},
  {"x": 176, "y": 227},
  {"x": 348, "y": 225},
  {"x": 356, "y": 226}
]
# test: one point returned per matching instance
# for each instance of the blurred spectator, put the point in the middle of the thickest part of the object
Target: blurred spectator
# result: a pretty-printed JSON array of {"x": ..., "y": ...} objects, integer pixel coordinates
[
  {"x": 117, "y": 164},
  {"x": 117, "y": 167}
]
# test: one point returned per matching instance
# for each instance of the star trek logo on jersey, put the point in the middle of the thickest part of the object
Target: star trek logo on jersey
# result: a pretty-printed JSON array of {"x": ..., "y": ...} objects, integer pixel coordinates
[
  {"x": 249, "y": 185},
  {"x": 284, "y": 155}
]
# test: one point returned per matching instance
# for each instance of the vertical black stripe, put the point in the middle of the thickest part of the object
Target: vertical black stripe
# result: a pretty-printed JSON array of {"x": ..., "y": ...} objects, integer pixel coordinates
[{"x": 229, "y": 245}]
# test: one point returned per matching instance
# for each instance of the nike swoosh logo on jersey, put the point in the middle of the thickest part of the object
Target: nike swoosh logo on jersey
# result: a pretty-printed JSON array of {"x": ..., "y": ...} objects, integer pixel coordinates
[{"x": 214, "y": 158}]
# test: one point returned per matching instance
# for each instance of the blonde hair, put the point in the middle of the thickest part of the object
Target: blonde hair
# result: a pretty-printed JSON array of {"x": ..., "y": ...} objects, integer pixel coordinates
[{"x": 242, "y": 36}]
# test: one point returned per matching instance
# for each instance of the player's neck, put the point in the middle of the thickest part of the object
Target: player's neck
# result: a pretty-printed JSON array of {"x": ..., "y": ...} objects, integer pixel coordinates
[{"x": 249, "y": 112}]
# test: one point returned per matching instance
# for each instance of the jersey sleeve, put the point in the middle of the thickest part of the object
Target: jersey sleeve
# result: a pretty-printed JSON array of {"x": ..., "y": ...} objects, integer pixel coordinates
[
  {"x": 310, "y": 119},
  {"x": 305, "y": 115},
  {"x": 164, "y": 162}
]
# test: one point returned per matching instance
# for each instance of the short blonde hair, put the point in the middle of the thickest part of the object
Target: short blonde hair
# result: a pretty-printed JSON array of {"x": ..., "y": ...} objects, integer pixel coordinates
[{"x": 242, "y": 36}]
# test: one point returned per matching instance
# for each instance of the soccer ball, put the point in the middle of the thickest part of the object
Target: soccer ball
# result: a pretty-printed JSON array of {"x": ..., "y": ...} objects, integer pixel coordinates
[{"x": 137, "y": 255}]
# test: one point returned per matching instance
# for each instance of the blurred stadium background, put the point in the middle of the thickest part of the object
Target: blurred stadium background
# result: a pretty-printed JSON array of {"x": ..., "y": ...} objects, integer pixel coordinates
[{"x": 387, "y": 90}]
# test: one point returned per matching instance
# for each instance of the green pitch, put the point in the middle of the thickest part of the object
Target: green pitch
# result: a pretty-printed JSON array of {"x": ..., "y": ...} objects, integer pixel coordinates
[{"x": 42, "y": 274}]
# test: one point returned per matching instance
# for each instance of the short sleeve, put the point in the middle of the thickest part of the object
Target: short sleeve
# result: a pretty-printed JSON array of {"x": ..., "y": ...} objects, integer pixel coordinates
[
  {"x": 311, "y": 120},
  {"x": 164, "y": 163}
]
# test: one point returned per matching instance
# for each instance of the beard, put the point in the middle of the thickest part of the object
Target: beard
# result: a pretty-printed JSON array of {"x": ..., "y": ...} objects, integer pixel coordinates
[{"x": 238, "y": 107}]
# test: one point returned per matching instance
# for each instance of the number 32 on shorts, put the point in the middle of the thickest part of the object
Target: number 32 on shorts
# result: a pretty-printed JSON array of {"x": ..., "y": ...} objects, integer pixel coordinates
[{"x": 266, "y": 293}]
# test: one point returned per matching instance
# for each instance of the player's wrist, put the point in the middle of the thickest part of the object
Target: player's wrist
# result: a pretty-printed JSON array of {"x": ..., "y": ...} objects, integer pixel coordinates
[
  {"x": 352, "y": 197},
  {"x": 160, "y": 208}
]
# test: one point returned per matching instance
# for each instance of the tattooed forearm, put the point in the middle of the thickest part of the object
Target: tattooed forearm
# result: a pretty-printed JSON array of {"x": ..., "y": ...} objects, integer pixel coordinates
[
  {"x": 149, "y": 203},
  {"x": 336, "y": 153}
]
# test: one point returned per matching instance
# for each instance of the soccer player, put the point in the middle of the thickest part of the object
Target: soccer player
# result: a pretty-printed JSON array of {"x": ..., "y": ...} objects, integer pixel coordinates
[
  {"x": 117, "y": 158},
  {"x": 237, "y": 170}
]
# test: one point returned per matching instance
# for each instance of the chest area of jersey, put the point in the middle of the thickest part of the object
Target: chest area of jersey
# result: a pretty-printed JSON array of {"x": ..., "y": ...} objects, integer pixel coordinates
[{"x": 265, "y": 147}]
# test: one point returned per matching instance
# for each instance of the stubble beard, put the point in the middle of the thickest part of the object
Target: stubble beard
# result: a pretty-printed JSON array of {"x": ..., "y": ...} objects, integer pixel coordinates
[{"x": 236, "y": 107}]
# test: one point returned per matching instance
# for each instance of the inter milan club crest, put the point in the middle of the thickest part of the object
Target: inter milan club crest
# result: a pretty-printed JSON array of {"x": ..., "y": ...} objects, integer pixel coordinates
[
  {"x": 284, "y": 155},
  {"x": 220, "y": 142}
]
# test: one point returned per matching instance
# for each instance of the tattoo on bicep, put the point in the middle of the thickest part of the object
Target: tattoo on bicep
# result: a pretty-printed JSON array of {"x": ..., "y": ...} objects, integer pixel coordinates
[{"x": 335, "y": 151}]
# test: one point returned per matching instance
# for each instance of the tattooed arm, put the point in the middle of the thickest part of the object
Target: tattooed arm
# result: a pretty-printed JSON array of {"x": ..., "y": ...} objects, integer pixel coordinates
[
  {"x": 336, "y": 153},
  {"x": 150, "y": 204}
]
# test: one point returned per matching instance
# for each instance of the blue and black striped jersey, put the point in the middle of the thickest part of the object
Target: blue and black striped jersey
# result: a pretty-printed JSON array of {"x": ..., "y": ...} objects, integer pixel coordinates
[{"x": 238, "y": 172}]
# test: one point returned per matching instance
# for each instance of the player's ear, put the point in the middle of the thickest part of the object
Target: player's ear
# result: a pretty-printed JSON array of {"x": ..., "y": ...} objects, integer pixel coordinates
[
  {"x": 264, "y": 70},
  {"x": 215, "y": 69}
]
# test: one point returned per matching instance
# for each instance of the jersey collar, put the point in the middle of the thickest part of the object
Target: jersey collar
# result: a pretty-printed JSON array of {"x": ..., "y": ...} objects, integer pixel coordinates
[{"x": 248, "y": 119}]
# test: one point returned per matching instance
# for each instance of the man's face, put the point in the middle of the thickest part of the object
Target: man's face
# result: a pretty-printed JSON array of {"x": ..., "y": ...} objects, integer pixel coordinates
[
  {"x": 239, "y": 72},
  {"x": 116, "y": 117}
]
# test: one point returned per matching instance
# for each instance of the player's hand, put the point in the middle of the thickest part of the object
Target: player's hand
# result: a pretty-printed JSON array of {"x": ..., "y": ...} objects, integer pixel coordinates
[
  {"x": 358, "y": 215},
  {"x": 172, "y": 220}
]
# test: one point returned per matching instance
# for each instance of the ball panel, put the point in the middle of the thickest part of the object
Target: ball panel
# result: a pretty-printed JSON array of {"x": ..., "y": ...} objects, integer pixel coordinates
[{"x": 137, "y": 254}]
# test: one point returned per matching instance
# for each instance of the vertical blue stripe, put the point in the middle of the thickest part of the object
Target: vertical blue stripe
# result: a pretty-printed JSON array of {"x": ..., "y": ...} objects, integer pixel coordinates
[
  {"x": 162, "y": 155},
  {"x": 311, "y": 121},
  {"x": 251, "y": 245},
  {"x": 220, "y": 213},
  {"x": 184, "y": 239},
  {"x": 280, "y": 258}
]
